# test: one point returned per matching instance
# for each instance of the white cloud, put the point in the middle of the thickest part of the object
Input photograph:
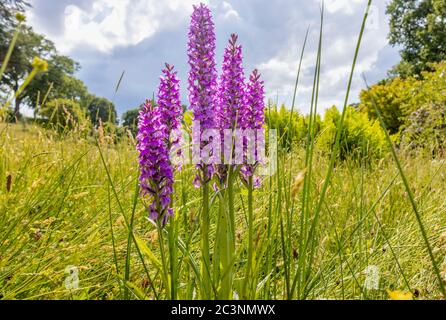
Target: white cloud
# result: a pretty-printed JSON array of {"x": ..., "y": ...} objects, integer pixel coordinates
[
  {"x": 229, "y": 11},
  {"x": 339, "y": 45},
  {"x": 276, "y": 65},
  {"x": 271, "y": 32},
  {"x": 112, "y": 23},
  {"x": 344, "y": 6}
]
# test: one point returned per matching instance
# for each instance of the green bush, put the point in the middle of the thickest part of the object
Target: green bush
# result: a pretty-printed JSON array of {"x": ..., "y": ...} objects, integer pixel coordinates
[
  {"x": 393, "y": 98},
  {"x": 360, "y": 138},
  {"x": 291, "y": 128},
  {"x": 426, "y": 128},
  {"x": 64, "y": 114},
  {"x": 398, "y": 99}
]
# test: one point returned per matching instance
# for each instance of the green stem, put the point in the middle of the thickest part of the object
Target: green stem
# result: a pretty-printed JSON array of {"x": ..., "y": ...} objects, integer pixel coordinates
[
  {"x": 28, "y": 79},
  {"x": 224, "y": 252},
  {"x": 163, "y": 257},
  {"x": 129, "y": 240},
  {"x": 173, "y": 257},
  {"x": 231, "y": 206},
  {"x": 205, "y": 257},
  {"x": 248, "y": 276},
  {"x": 231, "y": 224},
  {"x": 10, "y": 50},
  {"x": 226, "y": 237}
]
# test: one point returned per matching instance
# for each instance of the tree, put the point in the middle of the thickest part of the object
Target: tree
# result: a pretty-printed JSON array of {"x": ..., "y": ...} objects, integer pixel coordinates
[
  {"x": 58, "y": 82},
  {"x": 130, "y": 120},
  {"x": 360, "y": 137},
  {"x": 426, "y": 127},
  {"x": 419, "y": 27},
  {"x": 59, "y": 76},
  {"x": 7, "y": 8},
  {"x": 101, "y": 109},
  {"x": 28, "y": 46}
]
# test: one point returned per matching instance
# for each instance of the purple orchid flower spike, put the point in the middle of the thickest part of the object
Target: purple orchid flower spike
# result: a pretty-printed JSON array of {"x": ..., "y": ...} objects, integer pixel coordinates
[
  {"x": 202, "y": 81},
  {"x": 156, "y": 173}
]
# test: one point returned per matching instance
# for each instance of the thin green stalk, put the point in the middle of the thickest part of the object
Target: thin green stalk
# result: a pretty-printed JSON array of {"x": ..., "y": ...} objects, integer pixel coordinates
[
  {"x": 231, "y": 227},
  {"x": 306, "y": 194},
  {"x": 121, "y": 209},
  {"x": 28, "y": 79},
  {"x": 165, "y": 267},
  {"x": 216, "y": 258},
  {"x": 296, "y": 84},
  {"x": 249, "y": 272},
  {"x": 269, "y": 229},
  {"x": 205, "y": 257},
  {"x": 130, "y": 240},
  {"x": 112, "y": 234},
  {"x": 224, "y": 253},
  {"x": 173, "y": 257},
  {"x": 10, "y": 50},
  {"x": 285, "y": 260}
]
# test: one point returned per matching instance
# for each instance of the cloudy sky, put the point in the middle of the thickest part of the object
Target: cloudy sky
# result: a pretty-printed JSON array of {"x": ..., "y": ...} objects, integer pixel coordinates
[{"x": 108, "y": 37}]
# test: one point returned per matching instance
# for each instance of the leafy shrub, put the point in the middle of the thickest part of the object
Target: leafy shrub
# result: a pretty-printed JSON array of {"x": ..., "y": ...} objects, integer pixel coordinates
[
  {"x": 360, "y": 136},
  {"x": 291, "y": 128},
  {"x": 63, "y": 114},
  {"x": 392, "y": 98},
  {"x": 426, "y": 127},
  {"x": 398, "y": 99}
]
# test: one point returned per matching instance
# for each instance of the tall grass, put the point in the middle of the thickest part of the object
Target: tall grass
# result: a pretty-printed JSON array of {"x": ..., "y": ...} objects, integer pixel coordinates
[{"x": 63, "y": 209}]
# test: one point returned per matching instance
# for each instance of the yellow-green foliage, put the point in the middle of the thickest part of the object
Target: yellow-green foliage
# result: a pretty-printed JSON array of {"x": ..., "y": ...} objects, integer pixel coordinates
[
  {"x": 398, "y": 98},
  {"x": 291, "y": 128},
  {"x": 426, "y": 124},
  {"x": 391, "y": 98},
  {"x": 360, "y": 136},
  {"x": 63, "y": 114}
]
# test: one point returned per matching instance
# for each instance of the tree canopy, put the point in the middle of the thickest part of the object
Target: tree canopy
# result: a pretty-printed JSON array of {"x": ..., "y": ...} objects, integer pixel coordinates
[
  {"x": 58, "y": 82},
  {"x": 7, "y": 9},
  {"x": 130, "y": 120},
  {"x": 101, "y": 109},
  {"x": 419, "y": 27}
]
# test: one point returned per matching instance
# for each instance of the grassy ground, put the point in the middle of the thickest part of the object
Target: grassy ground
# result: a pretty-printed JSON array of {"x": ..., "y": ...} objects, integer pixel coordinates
[{"x": 59, "y": 208}]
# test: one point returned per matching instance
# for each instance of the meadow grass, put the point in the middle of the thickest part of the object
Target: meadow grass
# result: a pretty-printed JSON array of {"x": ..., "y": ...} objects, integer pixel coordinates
[{"x": 61, "y": 208}]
